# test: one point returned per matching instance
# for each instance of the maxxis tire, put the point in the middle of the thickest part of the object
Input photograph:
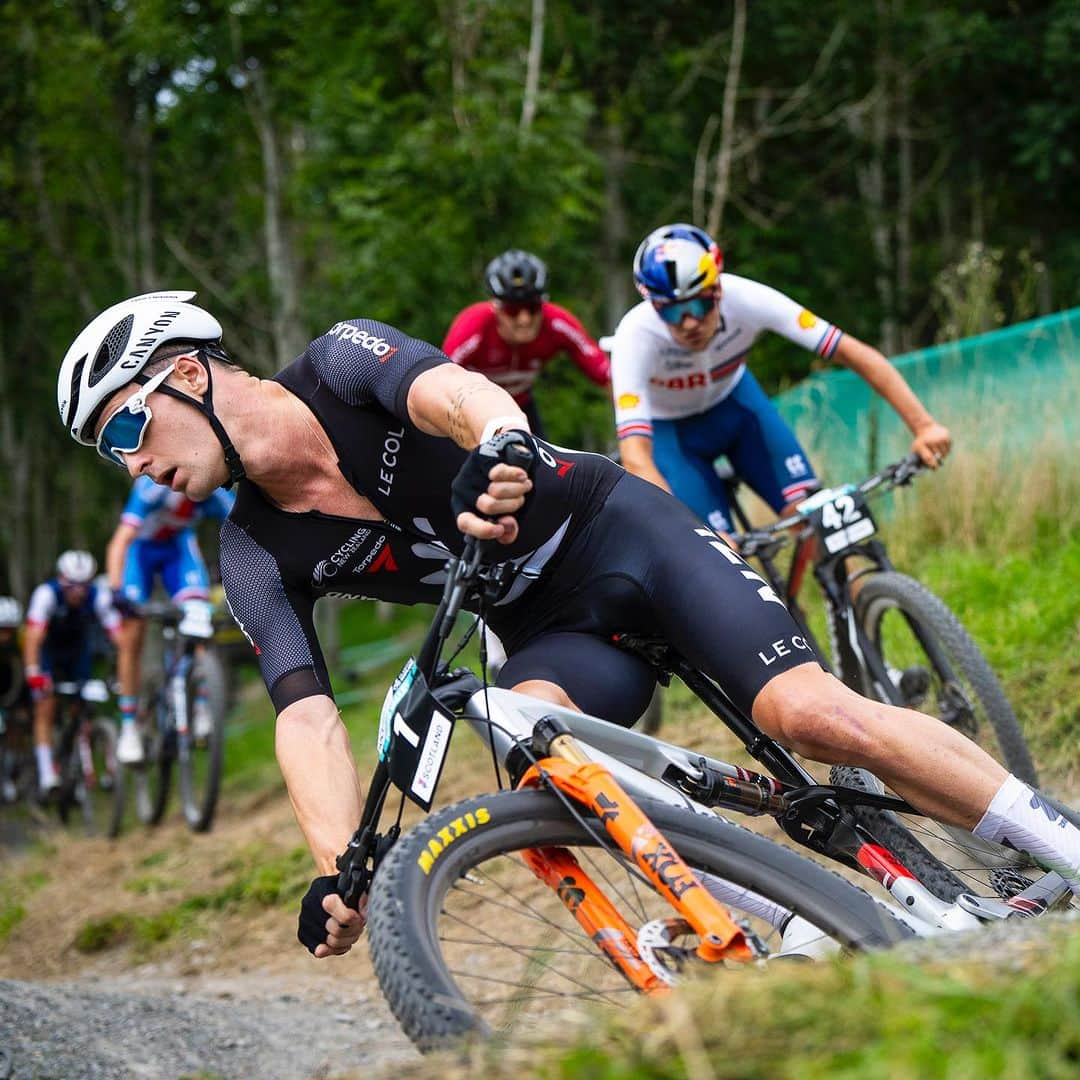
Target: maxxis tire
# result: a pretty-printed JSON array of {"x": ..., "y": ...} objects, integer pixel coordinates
[
  {"x": 404, "y": 902},
  {"x": 889, "y": 589}
]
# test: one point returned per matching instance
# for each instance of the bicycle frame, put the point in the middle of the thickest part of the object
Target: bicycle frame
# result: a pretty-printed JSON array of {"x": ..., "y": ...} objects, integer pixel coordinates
[{"x": 603, "y": 768}]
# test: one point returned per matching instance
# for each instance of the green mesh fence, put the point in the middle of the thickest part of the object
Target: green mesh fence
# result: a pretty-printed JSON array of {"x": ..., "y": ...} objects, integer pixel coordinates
[{"x": 1008, "y": 391}]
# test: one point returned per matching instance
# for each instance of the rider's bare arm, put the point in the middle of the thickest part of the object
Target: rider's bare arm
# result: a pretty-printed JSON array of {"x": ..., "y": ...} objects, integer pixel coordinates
[
  {"x": 33, "y": 639},
  {"x": 932, "y": 440},
  {"x": 448, "y": 400},
  {"x": 316, "y": 761},
  {"x": 116, "y": 553},
  {"x": 637, "y": 458}
]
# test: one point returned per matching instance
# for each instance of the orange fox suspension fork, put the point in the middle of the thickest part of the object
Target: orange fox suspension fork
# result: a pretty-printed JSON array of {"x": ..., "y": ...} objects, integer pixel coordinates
[{"x": 592, "y": 785}]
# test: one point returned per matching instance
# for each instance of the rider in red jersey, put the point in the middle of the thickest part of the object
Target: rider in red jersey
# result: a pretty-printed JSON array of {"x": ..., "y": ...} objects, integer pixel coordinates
[{"x": 510, "y": 337}]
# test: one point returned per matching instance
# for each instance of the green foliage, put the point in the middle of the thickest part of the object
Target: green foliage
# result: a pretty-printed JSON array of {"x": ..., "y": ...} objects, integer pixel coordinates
[
  {"x": 256, "y": 879},
  {"x": 386, "y": 144},
  {"x": 1016, "y": 1012}
]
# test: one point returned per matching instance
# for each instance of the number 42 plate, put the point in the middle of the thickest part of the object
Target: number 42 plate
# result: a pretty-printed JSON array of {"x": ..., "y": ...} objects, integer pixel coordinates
[{"x": 840, "y": 517}]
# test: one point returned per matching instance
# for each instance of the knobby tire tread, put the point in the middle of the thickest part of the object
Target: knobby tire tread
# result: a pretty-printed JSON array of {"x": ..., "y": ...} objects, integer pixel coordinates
[{"x": 403, "y": 935}]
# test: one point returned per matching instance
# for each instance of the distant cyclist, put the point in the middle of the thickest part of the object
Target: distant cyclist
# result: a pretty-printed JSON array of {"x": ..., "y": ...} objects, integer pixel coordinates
[
  {"x": 684, "y": 395},
  {"x": 14, "y": 697},
  {"x": 58, "y": 645},
  {"x": 510, "y": 337},
  {"x": 156, "y": 539}
]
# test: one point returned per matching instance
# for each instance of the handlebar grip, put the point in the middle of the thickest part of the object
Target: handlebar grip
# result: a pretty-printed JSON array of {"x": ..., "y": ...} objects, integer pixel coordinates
[{"x": 511, "y": 448}]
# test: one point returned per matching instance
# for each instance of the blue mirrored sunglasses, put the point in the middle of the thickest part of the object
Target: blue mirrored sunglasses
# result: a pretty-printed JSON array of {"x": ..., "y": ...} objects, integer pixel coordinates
[
  {"x": 124, "y": 431},
  {"x": 696, "y": 306}
]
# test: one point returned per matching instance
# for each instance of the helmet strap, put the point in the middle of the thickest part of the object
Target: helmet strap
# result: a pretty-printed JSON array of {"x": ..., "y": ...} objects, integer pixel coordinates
[{"x": 206, "y": 407}]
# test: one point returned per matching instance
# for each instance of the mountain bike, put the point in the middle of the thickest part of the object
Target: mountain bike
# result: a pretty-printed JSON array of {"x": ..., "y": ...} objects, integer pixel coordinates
[
  {"x": 84, "y": 749},
  {"x": 182, "y": 721},
  {"x": 890, "y": 637},
  {"x": 602, "y": 869}
]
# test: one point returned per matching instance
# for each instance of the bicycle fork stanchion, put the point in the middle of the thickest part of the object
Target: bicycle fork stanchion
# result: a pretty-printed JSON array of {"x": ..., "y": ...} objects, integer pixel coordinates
[{"x": 592, "y": 785}]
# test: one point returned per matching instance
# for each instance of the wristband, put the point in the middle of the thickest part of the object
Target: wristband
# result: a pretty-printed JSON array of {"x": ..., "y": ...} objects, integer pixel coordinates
[
  {"x": 493, "y": 427},
  {"x": 31, "y": 669}
]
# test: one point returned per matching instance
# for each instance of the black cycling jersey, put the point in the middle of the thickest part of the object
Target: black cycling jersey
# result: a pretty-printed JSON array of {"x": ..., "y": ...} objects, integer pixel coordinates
[{"x": 275, "y": 564}]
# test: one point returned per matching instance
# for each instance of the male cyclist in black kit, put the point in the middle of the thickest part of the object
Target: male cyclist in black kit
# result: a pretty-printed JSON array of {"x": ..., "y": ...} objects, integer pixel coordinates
[{"x": 344, "y": 465}]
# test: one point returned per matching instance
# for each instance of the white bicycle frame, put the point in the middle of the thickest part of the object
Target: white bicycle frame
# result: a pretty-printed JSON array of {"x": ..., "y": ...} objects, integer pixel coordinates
[{"x": 639, "y": 762}]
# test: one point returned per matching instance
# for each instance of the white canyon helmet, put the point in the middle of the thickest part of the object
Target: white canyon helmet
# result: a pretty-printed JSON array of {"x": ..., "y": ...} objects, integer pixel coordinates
[{"x": 115, "y": 347}]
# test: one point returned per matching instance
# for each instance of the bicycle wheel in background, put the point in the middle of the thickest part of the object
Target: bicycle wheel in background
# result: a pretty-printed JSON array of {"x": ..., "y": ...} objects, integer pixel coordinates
[
  {"x": 92, "y": 784},
  {"x": 201, "y": 749},
  {"x": 938, "y": 668},
  {"x": 150, "y": 781},
  {"x": 466, "y": 940}
]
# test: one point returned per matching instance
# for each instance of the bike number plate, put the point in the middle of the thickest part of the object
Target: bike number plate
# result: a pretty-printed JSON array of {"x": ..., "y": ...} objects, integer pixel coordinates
[
  {"x": 414, "y": 735},
  {"x": 842, "y": 521}
]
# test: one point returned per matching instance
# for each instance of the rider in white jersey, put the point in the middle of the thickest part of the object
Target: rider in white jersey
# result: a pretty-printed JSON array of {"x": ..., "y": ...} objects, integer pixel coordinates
[{"x": 684, "y": 395}]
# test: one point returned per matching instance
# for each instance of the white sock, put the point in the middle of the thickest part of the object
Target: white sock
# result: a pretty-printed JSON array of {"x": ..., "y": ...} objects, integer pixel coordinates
[
  {"x": 1022, "y": 819},
  {"x": 43, "y": 753}
]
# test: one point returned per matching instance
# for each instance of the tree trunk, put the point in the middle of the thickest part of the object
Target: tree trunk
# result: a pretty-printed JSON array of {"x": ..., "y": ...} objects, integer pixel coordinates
[
  {"x": 280, "y": 260},
  {"x": 532, "y": 71},
  {"x": 617, "y": 275},
  {"x": 722, "y": 182}
]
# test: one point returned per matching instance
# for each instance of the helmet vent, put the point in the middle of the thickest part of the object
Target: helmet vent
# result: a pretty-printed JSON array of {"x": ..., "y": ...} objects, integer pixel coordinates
[
  {"x": 111, "y": 349},
  {"x": 76, "y": 389}
]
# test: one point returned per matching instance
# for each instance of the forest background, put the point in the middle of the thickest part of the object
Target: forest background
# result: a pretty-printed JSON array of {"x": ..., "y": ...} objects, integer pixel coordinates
[{"x": 907, "y": 169}]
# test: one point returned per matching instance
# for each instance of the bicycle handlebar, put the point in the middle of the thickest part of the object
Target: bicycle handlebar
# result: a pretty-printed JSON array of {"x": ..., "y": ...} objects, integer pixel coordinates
[{"x": 777, "y": 534}]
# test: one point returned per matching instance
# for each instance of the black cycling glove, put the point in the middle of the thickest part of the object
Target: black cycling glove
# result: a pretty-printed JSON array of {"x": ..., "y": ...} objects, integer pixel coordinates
[
  {"x": 311, "y": 930},
  {"x": 511, "y": 447}
]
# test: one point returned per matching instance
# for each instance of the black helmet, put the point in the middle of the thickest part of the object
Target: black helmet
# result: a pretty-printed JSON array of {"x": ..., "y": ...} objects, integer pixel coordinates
[{"x": 516, "y": 275}]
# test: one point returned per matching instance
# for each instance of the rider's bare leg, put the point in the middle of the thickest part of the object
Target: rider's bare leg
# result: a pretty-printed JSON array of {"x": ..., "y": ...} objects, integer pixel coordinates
[
  {"x": 546, "y": 691},
  {"x": 938, "y": 770},
  {"x": 935, "y": 768}
]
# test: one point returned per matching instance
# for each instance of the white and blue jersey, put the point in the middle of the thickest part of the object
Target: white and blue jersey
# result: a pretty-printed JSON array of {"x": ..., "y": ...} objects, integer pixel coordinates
[
  {"x": 697, "y": 406},
  {"x": 165, "y": 544}
]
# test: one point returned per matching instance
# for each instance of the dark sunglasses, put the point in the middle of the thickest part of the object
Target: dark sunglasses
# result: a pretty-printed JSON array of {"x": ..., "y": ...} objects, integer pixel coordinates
[
  {"x": 516, "y": 307},
  {"x": 697, "y": 306}
]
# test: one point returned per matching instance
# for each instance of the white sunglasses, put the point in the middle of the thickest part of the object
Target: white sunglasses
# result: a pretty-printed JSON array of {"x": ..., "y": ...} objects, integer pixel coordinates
[{"x": 124, "y": 431}]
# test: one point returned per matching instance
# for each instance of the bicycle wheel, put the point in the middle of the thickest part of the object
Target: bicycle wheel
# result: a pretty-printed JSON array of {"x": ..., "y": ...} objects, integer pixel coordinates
[
  {"x": 938, "y": 667},
  {"x": 152, "y": 779},
  {"x": 466, "y": 940},
  {"x": 946, "y": 859},
  {"x": 93, "y": 782},
  {"x": 201, "y": 748}
]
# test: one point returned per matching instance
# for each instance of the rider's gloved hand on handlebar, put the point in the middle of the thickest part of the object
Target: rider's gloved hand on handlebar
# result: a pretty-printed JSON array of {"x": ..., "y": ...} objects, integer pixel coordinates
[
  {"x": 124, "y": 605},
  {"x": 38, "y": 682},
  {"x": 491, "y": 486},
  {"x": 327, "y": 927}
]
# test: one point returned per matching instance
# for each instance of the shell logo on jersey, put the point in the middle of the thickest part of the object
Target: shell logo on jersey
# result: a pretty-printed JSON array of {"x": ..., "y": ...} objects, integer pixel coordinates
[
  {"x": 807, "y": 319},
  {"x": 628, "y": 401}
]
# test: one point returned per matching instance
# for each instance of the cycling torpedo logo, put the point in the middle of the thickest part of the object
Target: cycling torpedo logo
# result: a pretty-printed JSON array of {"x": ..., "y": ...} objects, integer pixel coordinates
[{"x": 376, "y": 345}]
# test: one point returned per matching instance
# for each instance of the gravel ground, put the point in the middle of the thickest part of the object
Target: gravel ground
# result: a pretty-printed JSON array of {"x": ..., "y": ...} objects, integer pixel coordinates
[{"x": 105, "y": 1029}]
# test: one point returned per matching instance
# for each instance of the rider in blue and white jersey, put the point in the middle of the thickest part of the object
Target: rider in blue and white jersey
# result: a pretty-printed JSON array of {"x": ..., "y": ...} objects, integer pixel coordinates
[
  {"x": 156, "y": 538},
  {"x": 684, "y": 395},
  {"x": 58, "y": 644}
]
